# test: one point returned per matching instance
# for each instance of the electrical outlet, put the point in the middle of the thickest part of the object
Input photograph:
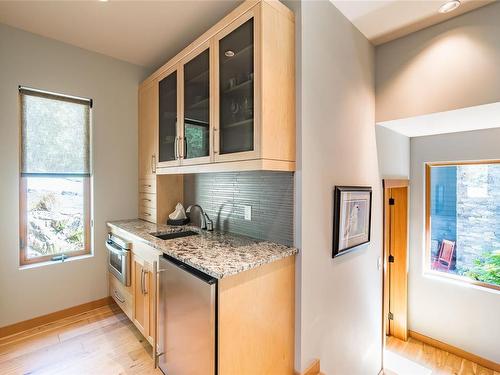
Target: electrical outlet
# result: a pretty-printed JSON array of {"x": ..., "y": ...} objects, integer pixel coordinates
[{"x": 248, "y": 212}]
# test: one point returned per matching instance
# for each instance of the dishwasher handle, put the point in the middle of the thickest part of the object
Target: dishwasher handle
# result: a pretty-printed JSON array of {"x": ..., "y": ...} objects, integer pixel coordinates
[{"x": 191, "y": 270}]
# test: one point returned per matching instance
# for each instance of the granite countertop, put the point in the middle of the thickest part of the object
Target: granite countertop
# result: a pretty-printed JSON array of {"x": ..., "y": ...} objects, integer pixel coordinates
[{"x": 215, "y": 253}]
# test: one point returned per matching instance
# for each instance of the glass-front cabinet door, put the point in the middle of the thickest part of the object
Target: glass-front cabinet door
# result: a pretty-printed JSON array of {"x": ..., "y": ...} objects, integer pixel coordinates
[
  {"x": 168, "y": 134},
  {"x": 196, "y": 123},
  {"x": 236, "y": 133}
]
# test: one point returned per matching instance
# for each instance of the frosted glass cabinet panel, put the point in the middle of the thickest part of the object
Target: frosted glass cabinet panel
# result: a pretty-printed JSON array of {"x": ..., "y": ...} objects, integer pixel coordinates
[
  {"x": 236, "y": 90},
  {"x": 167, "y": 134},
  {"x": 196, "y": 132}
]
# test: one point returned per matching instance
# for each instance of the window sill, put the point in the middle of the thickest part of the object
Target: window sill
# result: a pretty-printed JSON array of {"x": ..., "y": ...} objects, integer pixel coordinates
[
  {"x": 52, "y": 262},
  {"x": 462, "y": 281}
]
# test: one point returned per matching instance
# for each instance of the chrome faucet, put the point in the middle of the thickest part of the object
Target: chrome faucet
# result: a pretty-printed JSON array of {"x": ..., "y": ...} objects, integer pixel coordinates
[{"x": 206, "y": 222}]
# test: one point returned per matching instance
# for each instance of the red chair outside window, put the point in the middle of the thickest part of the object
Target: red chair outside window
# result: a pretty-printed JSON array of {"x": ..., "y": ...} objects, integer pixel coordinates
[{"x": 445, "y": 256}]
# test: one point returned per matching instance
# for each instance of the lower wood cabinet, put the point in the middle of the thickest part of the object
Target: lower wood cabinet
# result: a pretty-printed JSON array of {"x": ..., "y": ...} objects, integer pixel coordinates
[
  {"x": 122, "y": 295},
  {"x": 255, "y": 312},
  {"x": 141, "y": 276},
  {"x": 139, "y": 300},
  {"x": 256, "y": 320}
]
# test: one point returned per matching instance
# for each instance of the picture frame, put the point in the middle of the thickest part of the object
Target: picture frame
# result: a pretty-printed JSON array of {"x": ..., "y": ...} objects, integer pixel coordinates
[{"x": 352, "y": 211}]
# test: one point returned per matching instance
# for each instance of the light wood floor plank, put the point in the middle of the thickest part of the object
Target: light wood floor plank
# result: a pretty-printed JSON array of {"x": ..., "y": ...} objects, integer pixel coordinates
[
  {"x": 101, "y": 341},
  {"x": 433, "y": 361}
]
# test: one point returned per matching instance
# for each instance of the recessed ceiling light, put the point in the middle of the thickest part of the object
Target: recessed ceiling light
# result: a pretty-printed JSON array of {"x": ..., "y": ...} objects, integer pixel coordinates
[
  {"x": 229, "y": 53},
  {"x": 449, "y": 6},
  {"x": 103, "y": 1}
]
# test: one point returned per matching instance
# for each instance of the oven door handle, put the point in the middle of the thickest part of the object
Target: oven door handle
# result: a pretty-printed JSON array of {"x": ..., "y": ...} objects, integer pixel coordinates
[{"x": 115, "y": 249}]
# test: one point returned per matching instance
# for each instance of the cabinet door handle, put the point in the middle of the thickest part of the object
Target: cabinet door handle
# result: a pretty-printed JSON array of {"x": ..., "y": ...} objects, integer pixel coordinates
[
  {"x": 214, "y": 135},
  {"x": 184, "y": 149},
  {"x": 153, "y": 163},
  {"x": 142, "y": 280},
  {"x": 176, "y": 151},
  {"x": 180, "y": 148},
  {"x": 146, "y": 199},
  {"x": 144, "y": 283},
  {"x": 156, "y": 349},
  {"x": 145, "y": 185},
  {"x": 118, "y": 297}
]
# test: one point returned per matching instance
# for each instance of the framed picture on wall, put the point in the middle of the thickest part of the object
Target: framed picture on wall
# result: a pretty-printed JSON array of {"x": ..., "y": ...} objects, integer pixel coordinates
[{"x": 351, "y": 218}]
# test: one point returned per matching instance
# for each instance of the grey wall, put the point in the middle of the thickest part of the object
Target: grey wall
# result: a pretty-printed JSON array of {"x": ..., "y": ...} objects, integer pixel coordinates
[
  {"x": 456, "y": 313},
  {"x": 448, "y": 66},
  {"x": 340, "y": 299},
  {"x": 223, "y": 195},
  {"x": 34, "y": 61}
]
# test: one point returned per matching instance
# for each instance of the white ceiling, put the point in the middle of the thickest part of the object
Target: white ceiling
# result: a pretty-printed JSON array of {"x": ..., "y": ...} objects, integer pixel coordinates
[
  {"x": 148, "y": 33},
  {"x": 145, "y": 33},
  {"x": 382, "y": 21},
  {"x": 485, "y": 116}
]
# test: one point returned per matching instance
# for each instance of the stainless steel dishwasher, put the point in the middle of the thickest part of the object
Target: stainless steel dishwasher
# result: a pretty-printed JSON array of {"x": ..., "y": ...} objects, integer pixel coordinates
[{"x": 187, "y": 329}]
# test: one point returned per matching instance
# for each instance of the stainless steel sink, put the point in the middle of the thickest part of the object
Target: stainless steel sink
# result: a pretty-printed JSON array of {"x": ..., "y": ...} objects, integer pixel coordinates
[{"x": 172, "y": 235}]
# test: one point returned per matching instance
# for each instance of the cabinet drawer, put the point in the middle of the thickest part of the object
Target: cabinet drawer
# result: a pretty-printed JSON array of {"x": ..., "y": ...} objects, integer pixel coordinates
[
  {"x": 147, "y": 185},
  {"x": 147, "y": 213},
  {"x": 147, "y": 200},
  {"x": 121, "y": 294}
]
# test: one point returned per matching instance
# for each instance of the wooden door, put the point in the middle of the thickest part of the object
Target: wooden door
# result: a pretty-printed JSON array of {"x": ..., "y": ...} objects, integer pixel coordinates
[
  {"x": 141, "y": 295},
  {"x": 396, "y": 258},
  {"x": 148, "y": 123}
]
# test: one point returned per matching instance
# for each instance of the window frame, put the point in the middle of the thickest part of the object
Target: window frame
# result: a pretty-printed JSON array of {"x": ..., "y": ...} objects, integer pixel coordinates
[
  {"x": 23, "y": 194},
  {"x": 427, "y": 263}
]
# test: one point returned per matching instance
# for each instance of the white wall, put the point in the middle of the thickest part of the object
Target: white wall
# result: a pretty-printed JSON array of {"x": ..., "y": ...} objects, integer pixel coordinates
[
  {"x": 30, "y": 60},
  {"x": 393, "y": 153},
  {"x": 340, "y": 306},
  {"x": 448, "y": 66},
  {"x": 458, "y": 314}
]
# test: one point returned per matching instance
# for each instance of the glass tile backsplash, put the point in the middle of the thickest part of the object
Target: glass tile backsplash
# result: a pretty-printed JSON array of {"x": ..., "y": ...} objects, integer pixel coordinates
[{"x": 224, "y": 196}]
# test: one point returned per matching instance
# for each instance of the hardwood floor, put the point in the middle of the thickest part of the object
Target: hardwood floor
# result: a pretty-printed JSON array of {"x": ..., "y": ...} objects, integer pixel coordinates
[
  {"x": 416, "y": 358},
  {"x": 101, "y": 341}
]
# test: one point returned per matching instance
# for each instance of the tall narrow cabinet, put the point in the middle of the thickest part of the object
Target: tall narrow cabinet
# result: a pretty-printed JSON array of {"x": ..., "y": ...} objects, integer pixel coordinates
[{"x": 158, "y": 195}]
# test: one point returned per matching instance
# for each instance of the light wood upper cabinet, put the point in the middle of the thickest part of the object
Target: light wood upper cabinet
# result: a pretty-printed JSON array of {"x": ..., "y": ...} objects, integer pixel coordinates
[
  {"x": 227, "y": 101},
  {"x": 148, "y": 120}
]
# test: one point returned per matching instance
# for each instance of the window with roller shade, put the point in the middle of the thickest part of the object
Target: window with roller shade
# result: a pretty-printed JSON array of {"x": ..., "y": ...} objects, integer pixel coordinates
[{"x": 55, "y": 188}]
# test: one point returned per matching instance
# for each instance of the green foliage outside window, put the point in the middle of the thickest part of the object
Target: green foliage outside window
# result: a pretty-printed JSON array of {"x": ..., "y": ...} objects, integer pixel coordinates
[{"x": 486, "y": 268}]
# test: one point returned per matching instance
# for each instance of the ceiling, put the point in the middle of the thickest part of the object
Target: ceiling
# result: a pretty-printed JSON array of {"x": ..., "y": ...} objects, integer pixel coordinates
[
  {"x": 382, "y": 21},
  {"x": 479, "y": 117},
  {"x": 146, "y": 33}
]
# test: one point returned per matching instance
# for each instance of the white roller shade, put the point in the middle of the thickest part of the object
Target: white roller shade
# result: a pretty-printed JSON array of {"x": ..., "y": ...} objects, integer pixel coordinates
[{"x": 55, "y": 133}]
